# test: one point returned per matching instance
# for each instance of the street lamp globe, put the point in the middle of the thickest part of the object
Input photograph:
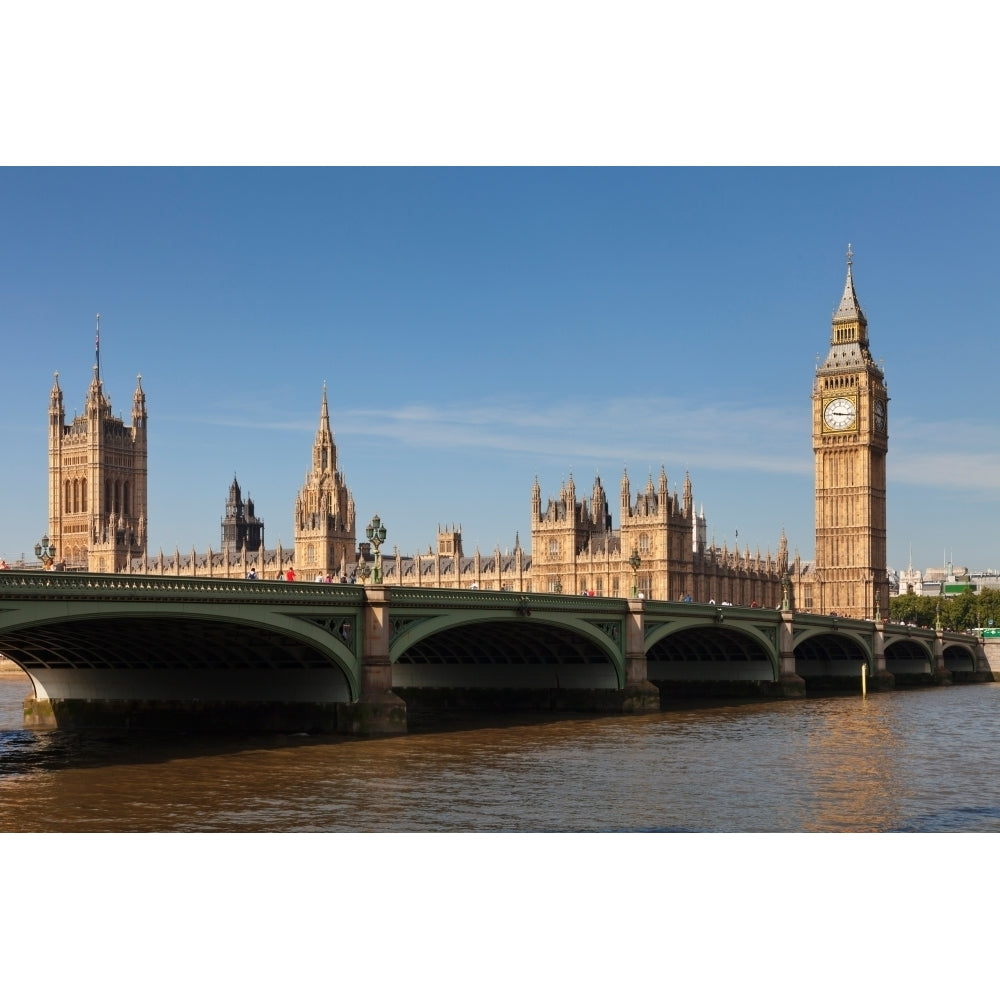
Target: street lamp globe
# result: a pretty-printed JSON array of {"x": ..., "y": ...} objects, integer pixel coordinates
[
  {"x": 45, "y": 551},
  {"x": 635, "y": 562},
  {"x": 375, "y": 533}
]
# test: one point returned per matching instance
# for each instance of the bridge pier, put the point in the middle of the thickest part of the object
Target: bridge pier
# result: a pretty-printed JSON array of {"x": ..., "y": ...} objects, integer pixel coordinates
[
  {"x": 378, "y": 710},
  {"x": 942, "y": 675},
  {"x": 790, "y": 683},
  {"x": 640, "y": 694},
  {"x": 882, "y": 679}
]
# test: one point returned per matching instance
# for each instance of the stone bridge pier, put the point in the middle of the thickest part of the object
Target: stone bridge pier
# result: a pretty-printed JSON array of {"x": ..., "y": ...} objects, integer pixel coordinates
[
  {"x": 639, "y": 693},
  {"x": 378, "y": 710},
  {"x": 790, "y": 682}
]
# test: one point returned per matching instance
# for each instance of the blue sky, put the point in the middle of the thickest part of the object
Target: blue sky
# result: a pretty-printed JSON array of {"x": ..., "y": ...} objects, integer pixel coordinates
[{"x": 477, "y": 327}]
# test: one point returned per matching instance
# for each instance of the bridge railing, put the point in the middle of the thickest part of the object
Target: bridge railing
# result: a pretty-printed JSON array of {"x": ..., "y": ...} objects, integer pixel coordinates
[
  {"x": 494, "y": 599},
  {"x": 90, "y": 585}
]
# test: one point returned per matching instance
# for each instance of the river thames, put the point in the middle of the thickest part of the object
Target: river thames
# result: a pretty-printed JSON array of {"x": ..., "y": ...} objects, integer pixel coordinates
[
  {"x": 656, "y": 899},
  {"x": 910, "y": 761}
]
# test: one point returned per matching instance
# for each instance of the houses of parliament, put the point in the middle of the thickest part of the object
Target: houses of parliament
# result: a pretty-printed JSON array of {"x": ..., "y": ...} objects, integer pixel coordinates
[{"x": 98, "y": 515}]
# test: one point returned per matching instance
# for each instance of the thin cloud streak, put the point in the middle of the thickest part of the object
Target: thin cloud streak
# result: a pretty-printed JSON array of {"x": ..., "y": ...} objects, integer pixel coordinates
[
  {"x": 959, "y": 456},
  {"x": 666, "y": 431},
  {"x": 961, "y": 473}
]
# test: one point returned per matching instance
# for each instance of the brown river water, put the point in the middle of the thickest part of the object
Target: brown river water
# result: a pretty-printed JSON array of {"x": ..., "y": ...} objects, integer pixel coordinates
[{"x": 923, "y": 761}]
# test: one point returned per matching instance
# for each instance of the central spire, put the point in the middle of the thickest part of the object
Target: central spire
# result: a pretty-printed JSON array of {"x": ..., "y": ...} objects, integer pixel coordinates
[
  {"x": 324, "y": 448},
  {"x": 324, "y": 412},
  {"x": 849, "y": 329},
  {"x": 849, "y": 308}
]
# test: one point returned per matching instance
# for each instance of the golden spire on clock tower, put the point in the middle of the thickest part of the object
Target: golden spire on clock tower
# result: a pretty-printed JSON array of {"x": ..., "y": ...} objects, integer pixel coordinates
[{"x": 849, "y": 334}]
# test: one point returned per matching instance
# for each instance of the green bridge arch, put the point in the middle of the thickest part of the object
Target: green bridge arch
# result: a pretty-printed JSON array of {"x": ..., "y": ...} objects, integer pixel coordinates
[
  {"x": 86, "y": 637},
  {"x": 714, "y": 639},
  {"x": 517, "y": 625}
]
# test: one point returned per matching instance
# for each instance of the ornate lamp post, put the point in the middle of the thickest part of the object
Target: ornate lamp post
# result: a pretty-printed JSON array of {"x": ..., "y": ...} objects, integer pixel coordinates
[
  {"x": 635, "y": 562},
  {"x": 45, "y": 552},
  {"x": 786, "y": 582},
  {"x": 375, "y": 532}
]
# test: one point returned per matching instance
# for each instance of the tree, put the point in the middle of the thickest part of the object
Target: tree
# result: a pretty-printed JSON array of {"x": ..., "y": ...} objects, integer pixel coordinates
[
  {"x": 988, "y": 608},
  {"x": 959, "y": 612},
  {"x": 912, "y": 609}
]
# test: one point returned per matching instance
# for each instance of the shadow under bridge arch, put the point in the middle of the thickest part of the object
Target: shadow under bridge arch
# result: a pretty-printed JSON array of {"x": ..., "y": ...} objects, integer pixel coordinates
[
  {"x": 540, "y": 653},
  {"x": 709, "y": 654},
  {"x": 828, "y": 659},
  {"x": 909, "y": 657},
  {"x": 114, "y": 654},
  {"x": 959, "y": 658}
]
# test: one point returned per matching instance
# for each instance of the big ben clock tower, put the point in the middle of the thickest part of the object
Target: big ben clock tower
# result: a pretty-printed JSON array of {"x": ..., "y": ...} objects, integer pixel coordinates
[{"x": 850, "y": 441}]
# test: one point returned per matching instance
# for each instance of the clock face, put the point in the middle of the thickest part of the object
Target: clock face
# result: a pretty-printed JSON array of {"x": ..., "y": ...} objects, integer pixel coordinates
[
  {"x": 840, "y": 414},
  {"x": 879, "y": 415}
]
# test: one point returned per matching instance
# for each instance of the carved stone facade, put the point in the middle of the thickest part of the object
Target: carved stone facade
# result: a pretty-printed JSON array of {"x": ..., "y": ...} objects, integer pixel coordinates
[
  {"x": 325, "y": 542},
  {"x": 659, "y": 549},
  {"x": 98, "y": 518}
]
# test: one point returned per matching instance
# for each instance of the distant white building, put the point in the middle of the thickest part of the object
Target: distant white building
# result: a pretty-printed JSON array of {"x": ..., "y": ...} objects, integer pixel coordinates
[{"x": 946, "y": 580}]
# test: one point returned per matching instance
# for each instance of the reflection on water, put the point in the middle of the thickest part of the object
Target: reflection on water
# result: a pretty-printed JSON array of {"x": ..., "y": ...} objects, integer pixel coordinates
[{"x": 906, "y": 761}]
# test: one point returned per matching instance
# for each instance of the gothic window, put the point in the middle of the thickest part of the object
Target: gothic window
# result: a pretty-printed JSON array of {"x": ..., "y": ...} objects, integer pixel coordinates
[
  {"x": 83, "y": 495},
  {"x": 553, "y": 547},
  {"x": 310, "y": 554},
  {"x": 126, "y": 509},
  {"x": 68, "y": 501},
  {"x": 644, "y": 546}
]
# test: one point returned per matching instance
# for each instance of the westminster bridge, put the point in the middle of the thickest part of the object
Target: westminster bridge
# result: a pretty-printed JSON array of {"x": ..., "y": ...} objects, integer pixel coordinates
[{"x": 142, "y": 651}]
